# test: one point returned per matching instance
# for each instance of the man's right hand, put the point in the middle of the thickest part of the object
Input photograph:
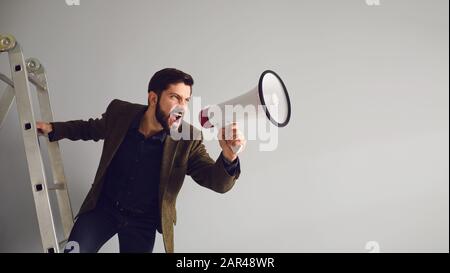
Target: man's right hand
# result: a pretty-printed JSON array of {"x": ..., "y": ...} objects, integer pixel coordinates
[{"x": 43, "y": 127}]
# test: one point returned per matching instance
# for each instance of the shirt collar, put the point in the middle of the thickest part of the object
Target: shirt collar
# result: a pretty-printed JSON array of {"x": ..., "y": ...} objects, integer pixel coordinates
[{"x": 161, "y": 136}]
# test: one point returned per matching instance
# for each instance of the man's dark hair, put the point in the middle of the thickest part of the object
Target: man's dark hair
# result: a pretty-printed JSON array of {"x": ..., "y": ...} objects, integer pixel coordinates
[{"x": 163, "y": 78}]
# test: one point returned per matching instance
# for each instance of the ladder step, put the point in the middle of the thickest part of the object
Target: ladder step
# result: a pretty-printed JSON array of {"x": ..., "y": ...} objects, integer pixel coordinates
[
  {"x": 7, "y": 80},
  {"x": 33, "y": 79},
  {"x": 56, "y": 187}
]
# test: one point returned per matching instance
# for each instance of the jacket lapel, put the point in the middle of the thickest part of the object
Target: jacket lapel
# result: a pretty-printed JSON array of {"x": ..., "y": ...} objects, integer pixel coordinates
[{"x": 169, "y": 153}]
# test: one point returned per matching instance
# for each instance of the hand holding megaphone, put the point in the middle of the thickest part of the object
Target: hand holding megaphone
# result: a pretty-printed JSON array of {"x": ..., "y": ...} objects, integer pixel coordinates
[{"x": 231, "y": 140}]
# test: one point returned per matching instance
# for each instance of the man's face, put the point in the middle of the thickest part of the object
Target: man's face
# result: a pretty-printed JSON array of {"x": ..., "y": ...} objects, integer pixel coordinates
[{"x": 172, "y": 104}]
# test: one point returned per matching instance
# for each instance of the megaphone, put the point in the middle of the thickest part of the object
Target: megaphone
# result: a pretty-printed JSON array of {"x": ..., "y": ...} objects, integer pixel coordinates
[{"x": 270, "y": 96}]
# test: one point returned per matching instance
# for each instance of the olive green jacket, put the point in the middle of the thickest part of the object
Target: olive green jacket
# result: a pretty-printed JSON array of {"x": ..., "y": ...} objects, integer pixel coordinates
[{"x": 180, "y": 157}]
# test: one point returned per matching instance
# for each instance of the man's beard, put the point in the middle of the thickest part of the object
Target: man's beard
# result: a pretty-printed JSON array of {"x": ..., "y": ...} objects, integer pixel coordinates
[{"x": 161, "y": 118}]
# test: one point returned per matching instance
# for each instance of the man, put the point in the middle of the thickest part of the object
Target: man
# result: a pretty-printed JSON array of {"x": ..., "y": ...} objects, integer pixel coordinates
[{"x": 142, "y": 167}]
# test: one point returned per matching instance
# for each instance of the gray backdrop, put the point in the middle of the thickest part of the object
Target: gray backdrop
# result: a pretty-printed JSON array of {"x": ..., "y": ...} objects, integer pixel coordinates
[{"x": 365, "y": 157}]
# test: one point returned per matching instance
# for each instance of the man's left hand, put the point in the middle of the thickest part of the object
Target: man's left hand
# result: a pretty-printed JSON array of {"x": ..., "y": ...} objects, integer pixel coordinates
[{"x": 231, "y": 136}]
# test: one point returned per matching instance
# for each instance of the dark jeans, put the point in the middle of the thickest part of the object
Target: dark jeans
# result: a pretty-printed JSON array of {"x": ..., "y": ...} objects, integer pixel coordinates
[{"x": 93, "y": 229}]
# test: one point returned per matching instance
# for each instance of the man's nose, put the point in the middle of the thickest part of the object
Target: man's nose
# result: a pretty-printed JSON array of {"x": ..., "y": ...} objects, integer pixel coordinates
[
  {"x": 184, "y": 104},
  {"x": 181, "y": 107}
]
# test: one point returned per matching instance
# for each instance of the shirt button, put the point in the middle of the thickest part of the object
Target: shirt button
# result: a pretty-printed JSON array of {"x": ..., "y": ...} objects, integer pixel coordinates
[{"x": 131, "y": 178}]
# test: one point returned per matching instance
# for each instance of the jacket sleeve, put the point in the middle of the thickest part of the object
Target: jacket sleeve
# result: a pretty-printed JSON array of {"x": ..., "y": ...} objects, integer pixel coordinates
[
  {"x": 92, "y": 129},
  {"x": 207, "y": 172}
]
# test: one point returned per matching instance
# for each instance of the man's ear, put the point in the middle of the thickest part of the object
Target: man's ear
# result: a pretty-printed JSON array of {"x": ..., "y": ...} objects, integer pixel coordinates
[{"x": 152, "y": 98}]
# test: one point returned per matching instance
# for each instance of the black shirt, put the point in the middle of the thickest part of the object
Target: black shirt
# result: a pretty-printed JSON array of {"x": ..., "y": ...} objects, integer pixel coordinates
[{"x": 132, "y": 178}]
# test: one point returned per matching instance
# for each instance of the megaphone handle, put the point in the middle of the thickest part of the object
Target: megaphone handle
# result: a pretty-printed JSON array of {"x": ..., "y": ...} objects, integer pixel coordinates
[{"x": 236, "y": 149}]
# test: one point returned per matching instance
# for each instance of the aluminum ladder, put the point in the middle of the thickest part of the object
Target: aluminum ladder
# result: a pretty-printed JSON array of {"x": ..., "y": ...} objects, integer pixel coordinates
[{"x": 23, "y": 72}]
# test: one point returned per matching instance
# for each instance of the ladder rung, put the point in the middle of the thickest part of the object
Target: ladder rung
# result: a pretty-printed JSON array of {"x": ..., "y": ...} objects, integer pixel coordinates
[
  {"x": 31, "y": 77},
  {"x": 56, "y": 187},
  {"x": 7, "y": 80}
]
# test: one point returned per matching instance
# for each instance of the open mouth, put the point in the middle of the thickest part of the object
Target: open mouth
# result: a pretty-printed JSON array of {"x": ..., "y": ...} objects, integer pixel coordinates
[{"x": 176, "y": 114}]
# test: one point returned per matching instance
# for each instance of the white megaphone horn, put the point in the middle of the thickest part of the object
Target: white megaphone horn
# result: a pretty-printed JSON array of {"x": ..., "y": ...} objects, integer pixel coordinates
[{"x": 270, "y": 96}]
